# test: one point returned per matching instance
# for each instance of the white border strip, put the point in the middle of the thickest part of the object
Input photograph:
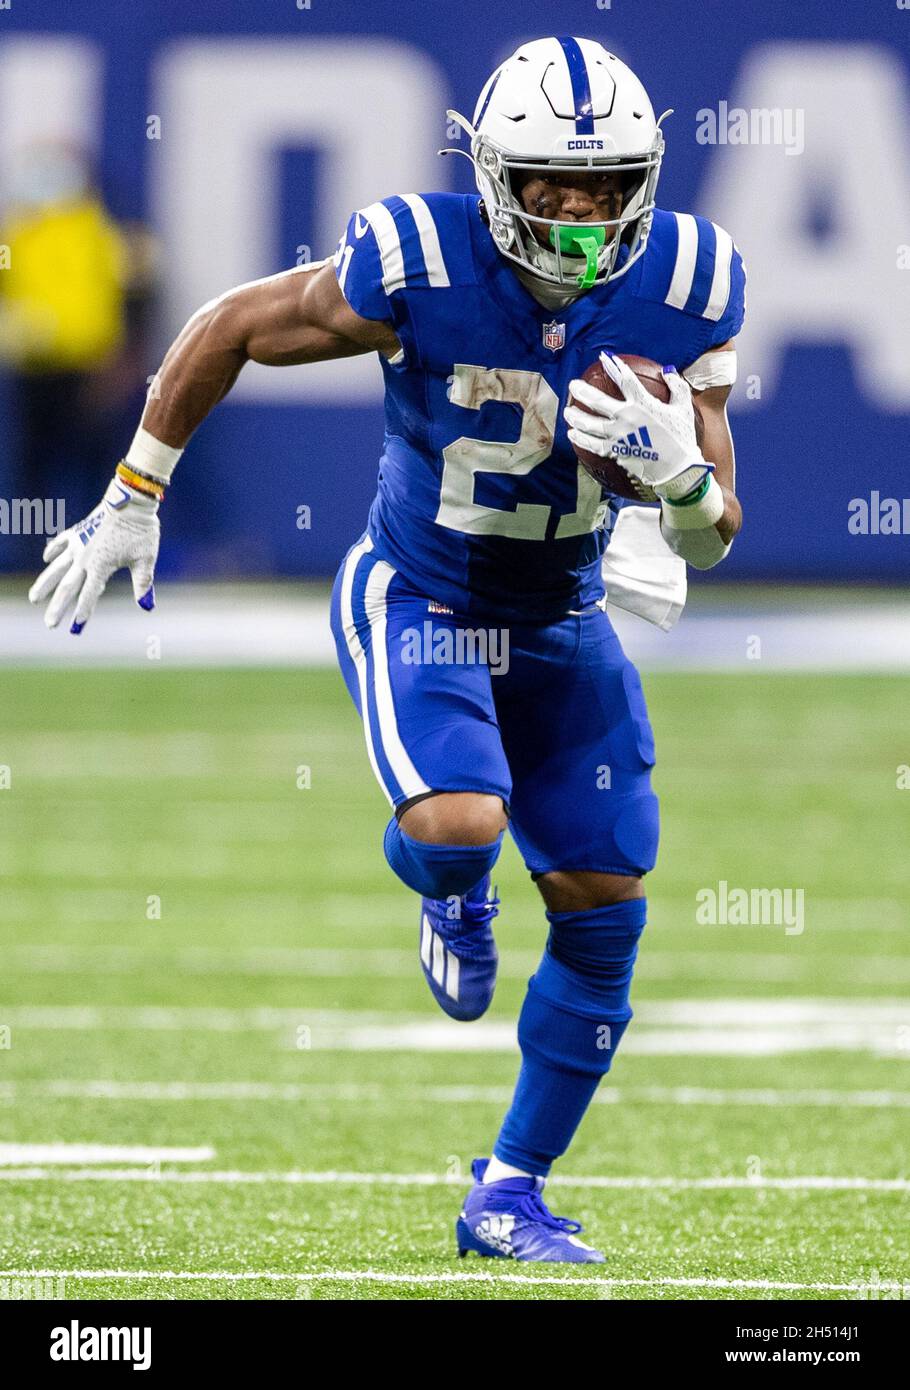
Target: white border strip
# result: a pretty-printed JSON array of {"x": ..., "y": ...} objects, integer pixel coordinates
[
  {"x": 292, "y": 1177},
  {"x": 104, "y": 1089}
]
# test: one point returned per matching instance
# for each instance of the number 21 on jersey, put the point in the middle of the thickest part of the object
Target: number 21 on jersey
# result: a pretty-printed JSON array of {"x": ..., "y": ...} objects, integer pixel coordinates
[{"x": 471, "y": 388}]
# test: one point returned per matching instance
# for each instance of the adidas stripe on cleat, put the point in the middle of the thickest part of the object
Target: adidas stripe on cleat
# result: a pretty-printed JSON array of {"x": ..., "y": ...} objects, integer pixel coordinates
[{"x": 458, "y": 954}]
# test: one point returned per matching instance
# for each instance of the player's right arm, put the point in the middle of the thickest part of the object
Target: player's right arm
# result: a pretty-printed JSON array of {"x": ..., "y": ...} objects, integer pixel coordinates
[
  {"x": 295, "y": 317},
  {"x": 287, "y": 320}
]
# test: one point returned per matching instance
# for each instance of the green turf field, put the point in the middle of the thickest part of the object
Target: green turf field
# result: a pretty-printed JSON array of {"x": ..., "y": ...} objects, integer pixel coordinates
[{"x": 199, "y": 954}]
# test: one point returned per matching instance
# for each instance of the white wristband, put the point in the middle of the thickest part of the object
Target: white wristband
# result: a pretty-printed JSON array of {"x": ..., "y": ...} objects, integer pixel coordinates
[
  {"x": 690, "y": 531},
  {"x": 148, "y": 455},
  {"x": 694, "y": 516}
]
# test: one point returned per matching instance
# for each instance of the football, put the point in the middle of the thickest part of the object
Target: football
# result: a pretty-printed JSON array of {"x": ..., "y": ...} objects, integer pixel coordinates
[{"x": 609, "y": 472}]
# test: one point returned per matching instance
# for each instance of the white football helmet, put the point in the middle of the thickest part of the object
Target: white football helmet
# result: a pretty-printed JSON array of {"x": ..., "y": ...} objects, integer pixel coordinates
[{"x": 565, "y": 104}]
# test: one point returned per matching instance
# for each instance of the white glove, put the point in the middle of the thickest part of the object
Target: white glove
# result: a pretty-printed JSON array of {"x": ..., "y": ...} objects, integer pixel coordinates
[
  {"x": 674, "y": 465},
  {"x": 122, "y": 531}
]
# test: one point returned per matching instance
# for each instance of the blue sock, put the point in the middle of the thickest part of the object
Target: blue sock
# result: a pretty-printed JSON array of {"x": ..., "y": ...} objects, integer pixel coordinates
[
  {"x": 574, "y": 1015},
  {"x": 438, "y": 871}
]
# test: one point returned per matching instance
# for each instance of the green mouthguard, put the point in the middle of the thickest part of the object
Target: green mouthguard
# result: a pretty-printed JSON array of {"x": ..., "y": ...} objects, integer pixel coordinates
[{"x": 581, "y": 241}]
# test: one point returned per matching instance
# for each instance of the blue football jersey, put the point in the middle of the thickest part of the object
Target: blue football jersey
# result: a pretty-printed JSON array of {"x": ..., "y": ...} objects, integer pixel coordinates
[{"x": 481, "y": 502}]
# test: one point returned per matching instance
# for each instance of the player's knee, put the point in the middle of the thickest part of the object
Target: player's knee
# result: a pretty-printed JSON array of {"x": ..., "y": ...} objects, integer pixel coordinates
[
  {"x": 577, "y": 1008},
  {"x": 465, "y": 848},
  {"x": 455, "y": 818},
  {"x": 600, "y": 945},
  {"x": 582, "y": 890}
]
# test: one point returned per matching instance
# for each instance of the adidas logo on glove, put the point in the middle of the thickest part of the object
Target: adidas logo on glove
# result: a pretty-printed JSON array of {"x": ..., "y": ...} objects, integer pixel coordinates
[{"x": 636, "y": 446}]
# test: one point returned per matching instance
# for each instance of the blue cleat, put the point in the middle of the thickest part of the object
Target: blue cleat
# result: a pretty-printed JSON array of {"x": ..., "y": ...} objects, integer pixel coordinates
[
  {"x": 511, "y": 1220},
  {"x": 458, "y": 955}
]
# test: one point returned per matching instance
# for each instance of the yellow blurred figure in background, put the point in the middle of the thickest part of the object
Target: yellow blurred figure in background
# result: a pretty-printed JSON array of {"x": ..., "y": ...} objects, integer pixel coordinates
[
  {"x": 62, "y": 295},
  {"x": 76, "y": 293}
]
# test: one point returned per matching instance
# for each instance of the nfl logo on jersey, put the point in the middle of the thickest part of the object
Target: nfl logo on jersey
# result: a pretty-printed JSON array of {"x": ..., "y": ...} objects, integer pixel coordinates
[{"x": 554, "y": 336}]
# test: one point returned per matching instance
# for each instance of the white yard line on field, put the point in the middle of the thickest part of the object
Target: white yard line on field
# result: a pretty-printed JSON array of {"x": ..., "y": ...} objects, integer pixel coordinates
[
  {"x": 15, "y": 1155},
  {"x": 669, "y": 1027},
  {"x": 765, "y": 1096},
  {"x": 370, "y": 1276},
  {"x": 295, "y": 1177},
  {"x": 380, "y": 1092}
]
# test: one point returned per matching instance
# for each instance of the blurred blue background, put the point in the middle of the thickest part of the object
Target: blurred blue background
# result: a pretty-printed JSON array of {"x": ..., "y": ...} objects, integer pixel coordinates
[{"x": 231, "y": 140}]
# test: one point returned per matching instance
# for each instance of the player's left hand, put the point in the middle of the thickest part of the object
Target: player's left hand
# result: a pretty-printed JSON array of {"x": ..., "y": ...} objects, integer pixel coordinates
[
  {"x": 677, "y": 467},
  {"x": 122, "y": 532}
]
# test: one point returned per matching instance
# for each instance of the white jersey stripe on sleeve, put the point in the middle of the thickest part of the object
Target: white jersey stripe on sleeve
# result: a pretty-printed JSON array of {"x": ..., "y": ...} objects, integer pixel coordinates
[
  {"x": 429, "y": 240},
  {"x": 720, "y": 282},
  {"x": 686, "y": 253},
  {"x": 389, "y": 243}
]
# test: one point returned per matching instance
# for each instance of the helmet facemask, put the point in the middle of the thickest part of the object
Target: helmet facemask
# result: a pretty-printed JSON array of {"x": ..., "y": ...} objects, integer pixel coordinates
[{"x": 580, "y": 254}]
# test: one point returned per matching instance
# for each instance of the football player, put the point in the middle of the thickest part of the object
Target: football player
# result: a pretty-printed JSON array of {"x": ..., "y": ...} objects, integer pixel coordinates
[{"x": 485, "y": 311}]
